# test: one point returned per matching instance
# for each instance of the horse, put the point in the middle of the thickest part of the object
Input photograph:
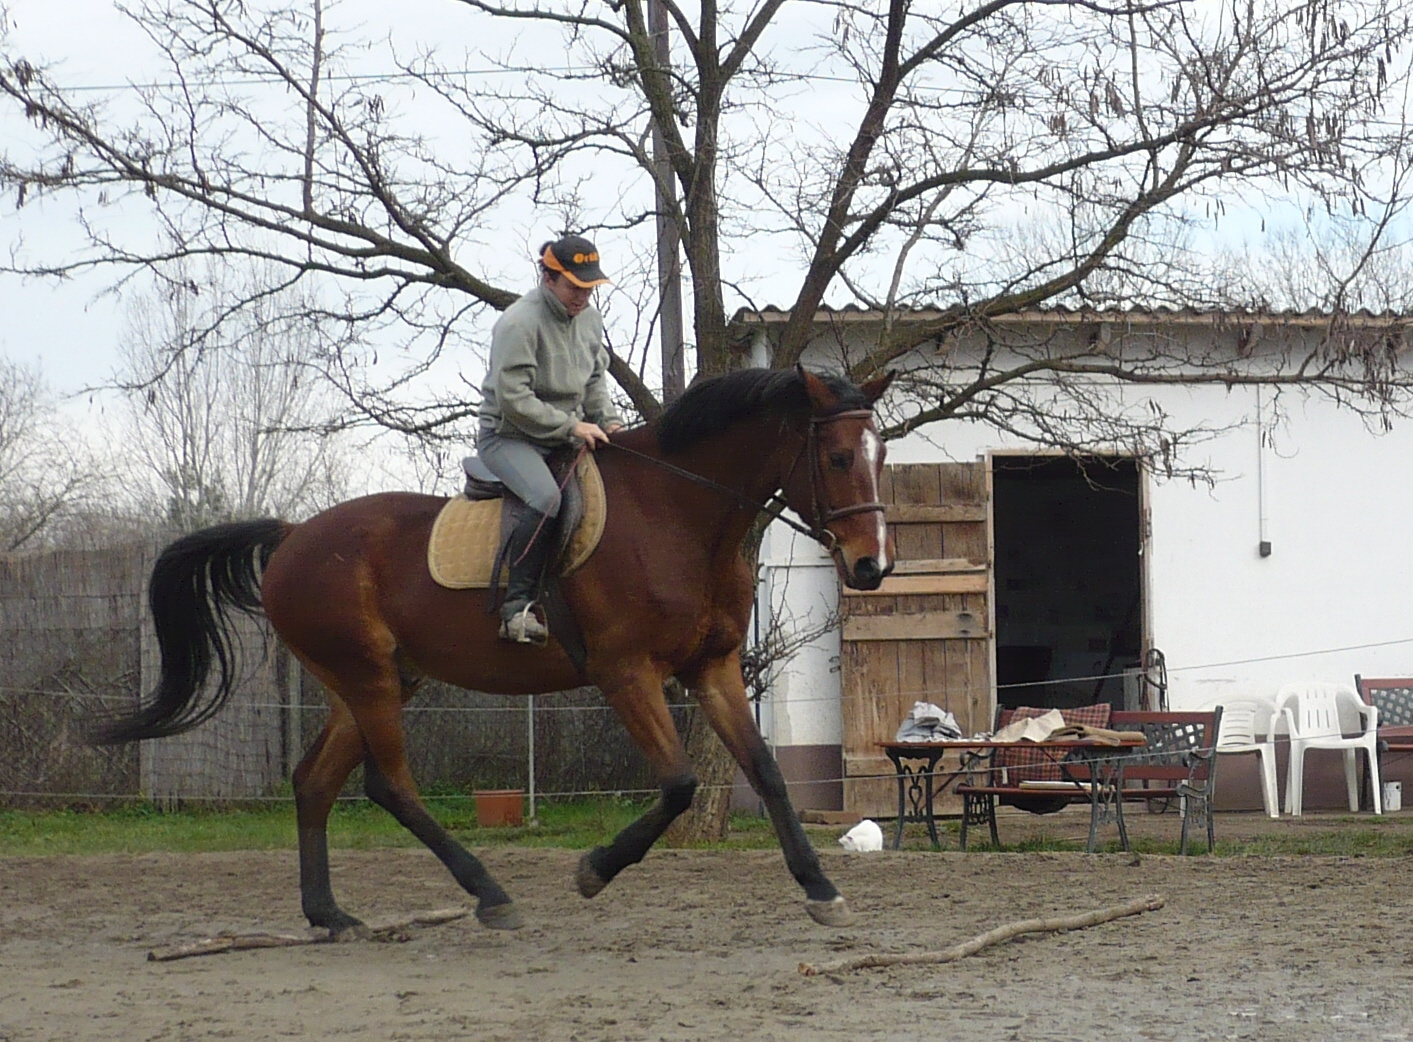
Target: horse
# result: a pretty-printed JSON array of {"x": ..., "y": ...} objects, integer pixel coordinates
[{"x": 667, "y": 592}]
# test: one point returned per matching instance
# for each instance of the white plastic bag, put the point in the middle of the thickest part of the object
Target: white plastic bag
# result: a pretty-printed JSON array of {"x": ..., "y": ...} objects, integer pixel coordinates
[{"x": 866, "y": 835}]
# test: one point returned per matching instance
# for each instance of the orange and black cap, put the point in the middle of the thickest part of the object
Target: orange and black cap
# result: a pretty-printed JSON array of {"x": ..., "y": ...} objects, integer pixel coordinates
[{"x": 577, "y": 259}]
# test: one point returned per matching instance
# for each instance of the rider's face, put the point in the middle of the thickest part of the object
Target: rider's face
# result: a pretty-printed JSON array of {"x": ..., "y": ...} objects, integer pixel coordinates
[{"x": 574, "y": 298}]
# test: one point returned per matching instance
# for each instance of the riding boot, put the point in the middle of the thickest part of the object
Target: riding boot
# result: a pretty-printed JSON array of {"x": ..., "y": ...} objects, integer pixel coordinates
[{"x": 526, "y": 552}]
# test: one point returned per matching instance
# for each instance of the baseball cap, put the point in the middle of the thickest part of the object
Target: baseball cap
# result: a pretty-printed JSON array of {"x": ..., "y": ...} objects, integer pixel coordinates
[{"x": 577, "y": 259}]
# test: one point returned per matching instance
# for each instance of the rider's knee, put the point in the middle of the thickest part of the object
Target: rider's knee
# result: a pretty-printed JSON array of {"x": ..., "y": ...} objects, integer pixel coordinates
[{"x": 546, "y": 503}]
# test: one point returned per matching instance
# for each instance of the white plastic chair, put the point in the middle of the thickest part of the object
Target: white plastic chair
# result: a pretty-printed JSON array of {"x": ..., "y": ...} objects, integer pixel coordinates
[
  {"x": 1248, "y": 726},
  {"x": 1318, "y": 716}
]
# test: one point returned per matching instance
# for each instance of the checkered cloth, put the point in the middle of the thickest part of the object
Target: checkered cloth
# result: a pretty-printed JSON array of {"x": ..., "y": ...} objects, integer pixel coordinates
[{"x": 1022, "y": 764}]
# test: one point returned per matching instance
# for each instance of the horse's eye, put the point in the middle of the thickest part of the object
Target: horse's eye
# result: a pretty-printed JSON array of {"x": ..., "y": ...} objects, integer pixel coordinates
[{"x": 841, "y": 460}]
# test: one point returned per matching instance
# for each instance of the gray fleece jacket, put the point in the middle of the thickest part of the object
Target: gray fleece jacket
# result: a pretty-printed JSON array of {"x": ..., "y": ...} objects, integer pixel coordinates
[{"x": 547, "y": 372}]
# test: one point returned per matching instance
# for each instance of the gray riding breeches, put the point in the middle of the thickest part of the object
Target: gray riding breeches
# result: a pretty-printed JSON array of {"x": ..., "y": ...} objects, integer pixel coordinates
[{"x": 521, "y": 466}]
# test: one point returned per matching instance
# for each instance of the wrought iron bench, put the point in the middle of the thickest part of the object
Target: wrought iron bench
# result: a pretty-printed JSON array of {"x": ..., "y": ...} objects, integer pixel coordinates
[
  {"x": 1176, "y": 764},
  {"x": 1393, "y": 698}
]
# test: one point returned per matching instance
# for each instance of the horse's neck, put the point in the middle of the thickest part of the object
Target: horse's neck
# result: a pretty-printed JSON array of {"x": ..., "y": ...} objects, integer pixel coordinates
[{"x": 753, "y": 463}]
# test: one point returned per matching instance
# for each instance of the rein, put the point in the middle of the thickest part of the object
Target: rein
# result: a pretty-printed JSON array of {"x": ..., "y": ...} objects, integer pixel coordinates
[{"x": 816, "y": 531}]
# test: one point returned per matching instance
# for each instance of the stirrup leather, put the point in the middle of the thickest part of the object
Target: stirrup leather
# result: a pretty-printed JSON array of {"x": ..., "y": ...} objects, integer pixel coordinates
[{"x": 524, "y": 627}]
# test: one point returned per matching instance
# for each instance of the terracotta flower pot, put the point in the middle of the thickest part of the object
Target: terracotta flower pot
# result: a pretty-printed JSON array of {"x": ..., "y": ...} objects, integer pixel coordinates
[{"x": 496, "y": 808}]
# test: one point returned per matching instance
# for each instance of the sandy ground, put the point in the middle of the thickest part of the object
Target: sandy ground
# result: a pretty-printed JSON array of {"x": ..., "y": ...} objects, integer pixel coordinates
[{"x": 694, "y": 945}]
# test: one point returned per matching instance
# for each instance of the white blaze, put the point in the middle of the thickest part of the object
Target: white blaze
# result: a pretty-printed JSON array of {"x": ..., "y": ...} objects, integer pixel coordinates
[{"x": 872, "y": 450}]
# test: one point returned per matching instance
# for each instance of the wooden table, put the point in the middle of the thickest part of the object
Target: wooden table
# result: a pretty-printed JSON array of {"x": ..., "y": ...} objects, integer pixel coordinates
[{"x": 921, "y": 781}]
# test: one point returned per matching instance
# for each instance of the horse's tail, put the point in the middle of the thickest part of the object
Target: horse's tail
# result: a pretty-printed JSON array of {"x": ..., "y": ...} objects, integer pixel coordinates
[{"x": 195, "y": 584}]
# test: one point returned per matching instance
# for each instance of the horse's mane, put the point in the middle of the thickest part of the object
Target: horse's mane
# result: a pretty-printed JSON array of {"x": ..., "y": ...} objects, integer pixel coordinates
[{"x": 714, "y": 403}]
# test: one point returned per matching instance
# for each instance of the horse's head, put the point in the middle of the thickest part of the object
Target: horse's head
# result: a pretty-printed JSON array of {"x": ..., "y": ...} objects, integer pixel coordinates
[{"x": 836, "y": 489}]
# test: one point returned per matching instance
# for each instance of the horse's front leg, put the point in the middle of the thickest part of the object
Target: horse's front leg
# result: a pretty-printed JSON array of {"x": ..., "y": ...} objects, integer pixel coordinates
[
  {"x": 641, "y": 705},
  {"x": 721, "y": 692}
]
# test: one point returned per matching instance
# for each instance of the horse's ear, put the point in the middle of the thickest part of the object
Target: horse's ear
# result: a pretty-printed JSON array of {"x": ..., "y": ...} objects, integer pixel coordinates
[
  {"x": 822, "y": 398},
  {"x": 873, "y": 390}
]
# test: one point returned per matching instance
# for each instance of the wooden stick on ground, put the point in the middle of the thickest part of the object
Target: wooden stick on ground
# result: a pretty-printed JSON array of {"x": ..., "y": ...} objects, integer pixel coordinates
[
  {"x": 1057, "y": 924},
  {"x": 393, "y": 929}
]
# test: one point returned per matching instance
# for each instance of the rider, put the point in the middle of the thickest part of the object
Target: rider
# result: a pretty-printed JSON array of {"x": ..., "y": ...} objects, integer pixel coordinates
[{"x": 547, "y": 386}]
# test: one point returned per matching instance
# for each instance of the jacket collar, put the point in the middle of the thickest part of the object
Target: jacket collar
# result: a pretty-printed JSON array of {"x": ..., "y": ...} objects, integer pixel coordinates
[{"x": 555, "y": 305}]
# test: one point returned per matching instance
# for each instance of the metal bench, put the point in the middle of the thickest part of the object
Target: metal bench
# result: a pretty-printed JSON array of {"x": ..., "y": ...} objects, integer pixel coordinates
[
  {"x": 1177, "y": 763},
  {"x": 1393, "y": 698}
]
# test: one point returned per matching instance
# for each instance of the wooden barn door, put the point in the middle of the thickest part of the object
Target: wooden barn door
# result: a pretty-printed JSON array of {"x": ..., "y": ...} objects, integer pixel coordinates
[{"x": 924, "y": 636}]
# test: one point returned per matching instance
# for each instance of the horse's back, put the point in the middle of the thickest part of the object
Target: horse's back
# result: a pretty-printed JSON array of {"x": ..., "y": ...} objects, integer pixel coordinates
[{"x": 336, "y": 561}]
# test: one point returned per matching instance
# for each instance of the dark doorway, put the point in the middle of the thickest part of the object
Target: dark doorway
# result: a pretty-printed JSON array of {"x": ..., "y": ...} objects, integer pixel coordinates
[{"x": 1069, "y": 580}]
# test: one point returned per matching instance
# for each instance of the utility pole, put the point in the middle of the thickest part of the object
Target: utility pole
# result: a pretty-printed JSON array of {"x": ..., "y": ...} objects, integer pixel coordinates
[{"x": 669, "y": 267}]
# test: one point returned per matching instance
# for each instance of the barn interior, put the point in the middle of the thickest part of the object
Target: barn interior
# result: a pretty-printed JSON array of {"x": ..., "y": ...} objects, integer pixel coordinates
[{"x": 1069, "y": 580}]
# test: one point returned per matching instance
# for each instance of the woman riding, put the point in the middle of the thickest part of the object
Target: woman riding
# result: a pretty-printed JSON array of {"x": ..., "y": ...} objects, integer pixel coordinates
[{"x": 546, "y": 387}]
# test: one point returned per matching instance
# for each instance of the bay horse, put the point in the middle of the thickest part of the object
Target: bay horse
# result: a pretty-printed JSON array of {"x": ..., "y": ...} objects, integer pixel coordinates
[{"x": 666, "y": 593}]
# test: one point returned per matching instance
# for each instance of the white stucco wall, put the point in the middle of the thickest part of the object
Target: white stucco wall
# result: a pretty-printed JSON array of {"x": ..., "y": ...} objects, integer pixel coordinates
[
  {"x": 1333, "y": 598},
  {"x": 800, "y": 585}
]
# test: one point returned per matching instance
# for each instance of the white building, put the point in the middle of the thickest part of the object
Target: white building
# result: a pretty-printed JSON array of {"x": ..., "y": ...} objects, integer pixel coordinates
[{"x": 1043, "y": 576}]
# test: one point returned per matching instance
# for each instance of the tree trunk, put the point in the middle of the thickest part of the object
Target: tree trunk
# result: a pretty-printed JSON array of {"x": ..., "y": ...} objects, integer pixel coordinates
[{"x": 707, "y": 820}]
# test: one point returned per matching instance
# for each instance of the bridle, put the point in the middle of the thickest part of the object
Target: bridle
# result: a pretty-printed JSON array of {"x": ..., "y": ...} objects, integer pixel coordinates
[{"x": 820, "y": 514}]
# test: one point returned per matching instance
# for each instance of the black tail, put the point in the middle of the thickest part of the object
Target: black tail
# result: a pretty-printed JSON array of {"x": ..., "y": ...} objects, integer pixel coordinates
[{"x": 195, "y": 584}]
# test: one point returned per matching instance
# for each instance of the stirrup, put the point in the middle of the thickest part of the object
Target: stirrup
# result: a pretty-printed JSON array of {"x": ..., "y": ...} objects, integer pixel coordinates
[{"x": 524, "y": 627}]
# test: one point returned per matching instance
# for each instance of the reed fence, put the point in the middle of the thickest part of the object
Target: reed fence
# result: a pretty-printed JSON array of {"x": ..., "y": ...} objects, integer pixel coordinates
[{"x": 77, "y": 643}]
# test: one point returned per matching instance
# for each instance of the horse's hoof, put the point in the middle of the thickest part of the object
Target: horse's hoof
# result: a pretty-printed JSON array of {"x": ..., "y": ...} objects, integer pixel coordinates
[
  {"x": 587, "y": 879},
  {"x": 834, "y": 912},
  {"x": 354, "y": 931},
  {"x": 500, "y": 917}
]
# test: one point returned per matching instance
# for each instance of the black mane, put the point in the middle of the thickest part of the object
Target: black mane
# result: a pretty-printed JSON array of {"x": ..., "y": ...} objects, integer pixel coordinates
[{"x": 712, "y": 404}]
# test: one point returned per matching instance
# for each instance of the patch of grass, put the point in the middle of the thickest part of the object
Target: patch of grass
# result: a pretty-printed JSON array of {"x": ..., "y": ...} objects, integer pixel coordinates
[
  {"x": 1356, "y": 840},
  {"x": 581, "y": 824},
  {"x": 1352, "y": 836},
  {"x": 354, "y": 824},
  {"x": 143, "y": 828}
]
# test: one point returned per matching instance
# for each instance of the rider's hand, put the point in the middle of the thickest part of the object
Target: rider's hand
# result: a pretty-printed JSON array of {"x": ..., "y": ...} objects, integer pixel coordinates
[{"x": 591, "y": 434}]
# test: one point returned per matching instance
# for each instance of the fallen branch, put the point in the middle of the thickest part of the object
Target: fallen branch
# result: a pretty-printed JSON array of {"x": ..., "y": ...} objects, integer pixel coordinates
[
  {"x": 1058, "y": 924},
  {"x": 391, "y": 930}
]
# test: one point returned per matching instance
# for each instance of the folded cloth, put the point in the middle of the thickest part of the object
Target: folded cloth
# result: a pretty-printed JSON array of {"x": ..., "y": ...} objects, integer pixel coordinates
[
  {"x": 1098, "y": 735},
  {"x": 1031, "y": 728},
  {"x": 1051, "y": 727},
  {"x": 928, "y": 723}
]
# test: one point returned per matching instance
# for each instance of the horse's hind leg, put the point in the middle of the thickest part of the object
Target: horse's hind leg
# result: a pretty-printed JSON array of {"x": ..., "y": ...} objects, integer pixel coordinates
[
  {"x": 365, "y": 723},
  {"x": 720, "y": 691},
  {"x": 317, "y": 782},
  {"x": 388, "y": 781}
]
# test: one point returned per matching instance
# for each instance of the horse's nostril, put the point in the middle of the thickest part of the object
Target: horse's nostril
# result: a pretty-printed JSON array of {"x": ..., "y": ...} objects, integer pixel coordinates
[{"x": 867, "y": 573}]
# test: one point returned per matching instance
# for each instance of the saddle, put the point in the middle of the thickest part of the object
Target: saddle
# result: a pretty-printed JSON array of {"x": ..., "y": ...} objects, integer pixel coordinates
[{"x": 468, "y": 536}]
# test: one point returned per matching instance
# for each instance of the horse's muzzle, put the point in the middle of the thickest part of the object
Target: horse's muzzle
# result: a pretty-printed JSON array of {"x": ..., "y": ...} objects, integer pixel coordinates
[{"x": 866, "y": 574}]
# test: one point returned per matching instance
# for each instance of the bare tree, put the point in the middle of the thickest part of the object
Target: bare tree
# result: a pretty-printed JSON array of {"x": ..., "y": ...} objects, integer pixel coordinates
[
  {"x": 45, "y": 473},
  {"x": 227, "y": 403},
  {"x": 990, "y": 159}
]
